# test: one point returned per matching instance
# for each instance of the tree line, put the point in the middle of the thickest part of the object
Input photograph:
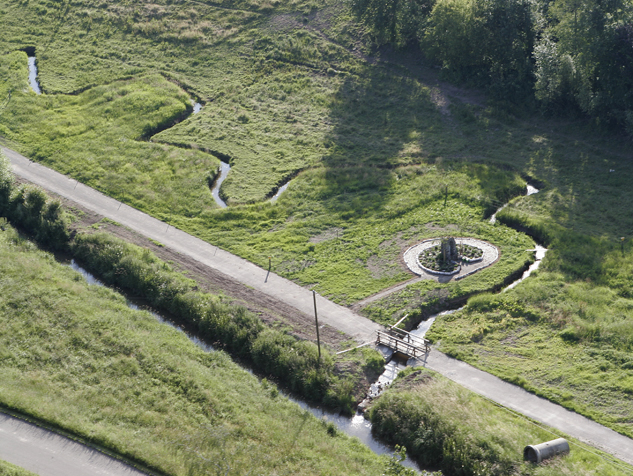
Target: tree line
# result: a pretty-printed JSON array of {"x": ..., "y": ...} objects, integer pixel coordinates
[{"x": 572, "y": 56}]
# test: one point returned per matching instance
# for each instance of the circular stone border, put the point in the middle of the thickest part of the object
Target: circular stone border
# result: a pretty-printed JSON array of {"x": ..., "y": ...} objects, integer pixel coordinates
[{"x": 410, "y": 256}]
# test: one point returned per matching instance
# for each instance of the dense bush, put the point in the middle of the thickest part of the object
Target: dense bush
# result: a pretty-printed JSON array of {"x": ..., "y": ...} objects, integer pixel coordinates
[
  {"x": 433, "y": 439},
  {"x": 569, "y": 56},
  {"x": 32, "y": 210}
]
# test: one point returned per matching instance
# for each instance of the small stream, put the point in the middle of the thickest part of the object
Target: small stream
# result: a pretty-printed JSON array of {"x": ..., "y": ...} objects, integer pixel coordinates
[
  {"x": 33, "y": 75},
  {"x": 217, "y": 183},
  {"x": 356, "y": 426},
  {"x": 281, "y": 190},
  {"x": 391, "y": 372},
  {"x": 224, "y": 171}
]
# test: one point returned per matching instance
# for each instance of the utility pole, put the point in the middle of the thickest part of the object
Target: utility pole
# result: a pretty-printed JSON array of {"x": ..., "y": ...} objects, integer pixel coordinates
[{"x": 316, "y": 320}]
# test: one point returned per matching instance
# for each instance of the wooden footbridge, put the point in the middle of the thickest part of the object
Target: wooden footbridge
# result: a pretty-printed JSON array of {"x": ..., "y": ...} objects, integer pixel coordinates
[{"x": 403, "y": 342}]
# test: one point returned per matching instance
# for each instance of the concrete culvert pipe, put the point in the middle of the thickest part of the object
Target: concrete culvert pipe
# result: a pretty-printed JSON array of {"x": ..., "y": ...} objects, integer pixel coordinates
[{"x": 537, "y": 453}]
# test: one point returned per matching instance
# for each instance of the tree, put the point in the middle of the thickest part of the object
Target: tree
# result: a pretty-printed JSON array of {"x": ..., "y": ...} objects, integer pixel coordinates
[{"x": 393, "y": 21}]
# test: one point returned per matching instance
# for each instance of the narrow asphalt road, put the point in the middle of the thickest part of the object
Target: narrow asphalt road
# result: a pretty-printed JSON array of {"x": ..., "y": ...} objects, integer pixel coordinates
[
  {"x": 339, "y": 317},
  {"x": 49, "y": 454}
]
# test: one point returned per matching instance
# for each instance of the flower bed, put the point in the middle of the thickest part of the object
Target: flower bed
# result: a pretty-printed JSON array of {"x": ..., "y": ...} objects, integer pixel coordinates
[{"x": 431, "y": 258}]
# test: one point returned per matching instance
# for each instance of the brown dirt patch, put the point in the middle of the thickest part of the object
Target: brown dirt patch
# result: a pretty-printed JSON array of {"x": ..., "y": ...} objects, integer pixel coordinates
[
  {"x": 383, "y": 267},
  {"x": 329, "y": 234}
]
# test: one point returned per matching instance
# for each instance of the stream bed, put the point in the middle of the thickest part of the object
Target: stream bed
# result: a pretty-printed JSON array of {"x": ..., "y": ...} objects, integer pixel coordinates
[{"x": 217, "y": 183}]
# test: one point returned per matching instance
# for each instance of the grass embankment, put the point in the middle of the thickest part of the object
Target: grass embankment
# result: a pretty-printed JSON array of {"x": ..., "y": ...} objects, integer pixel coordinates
[
  {"x": 77, "y": 357},
  {"x": 8, "y": 469},
  {"x": 446, "y": 426}
]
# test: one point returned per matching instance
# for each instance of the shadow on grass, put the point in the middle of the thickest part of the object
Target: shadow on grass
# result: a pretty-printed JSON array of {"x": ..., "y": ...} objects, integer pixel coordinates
[{"x": 379, "y": 122}]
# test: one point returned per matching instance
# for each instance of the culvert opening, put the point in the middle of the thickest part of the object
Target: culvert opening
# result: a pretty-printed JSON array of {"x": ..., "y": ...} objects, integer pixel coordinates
[{"x": 29, "y": 50}]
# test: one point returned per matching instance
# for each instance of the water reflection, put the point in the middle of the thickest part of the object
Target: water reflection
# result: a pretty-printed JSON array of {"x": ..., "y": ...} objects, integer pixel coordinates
[
  {"x": 33, "y": 75},
  {"x": 281, "y": 190},
  {"x": 197, "y": 107}
]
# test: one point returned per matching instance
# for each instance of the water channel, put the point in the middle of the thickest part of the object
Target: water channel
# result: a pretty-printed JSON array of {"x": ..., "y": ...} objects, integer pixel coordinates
[
  {"x": 33, "y": 76},
  {"x": 355, "y": 426}
]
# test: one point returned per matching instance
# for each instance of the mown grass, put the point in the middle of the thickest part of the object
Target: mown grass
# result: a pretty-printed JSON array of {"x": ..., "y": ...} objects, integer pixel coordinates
[
  {"x": 444, "y": 425},
  {"x": 8, "y": 469},
  {"x": 77, "y": 357}
]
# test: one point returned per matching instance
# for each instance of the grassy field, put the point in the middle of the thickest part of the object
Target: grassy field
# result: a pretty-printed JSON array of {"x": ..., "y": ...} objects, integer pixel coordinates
[
  {"x": 8, "y": 469},
  {"x": 451, "y": 428},
  {"x": 77, "y": 357},
  {"x": 375, "y": 143}
]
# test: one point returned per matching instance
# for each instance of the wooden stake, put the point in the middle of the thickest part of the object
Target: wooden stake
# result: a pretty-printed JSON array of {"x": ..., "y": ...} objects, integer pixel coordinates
[{"x": 316, "y": 319}]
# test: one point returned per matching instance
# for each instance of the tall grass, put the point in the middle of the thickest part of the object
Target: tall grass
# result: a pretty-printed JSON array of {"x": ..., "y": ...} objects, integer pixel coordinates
[{"x": 8, "y": 469}]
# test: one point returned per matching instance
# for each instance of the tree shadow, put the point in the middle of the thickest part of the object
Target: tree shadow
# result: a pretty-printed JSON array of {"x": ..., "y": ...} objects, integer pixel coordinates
[{"x": 380, "y": 122}]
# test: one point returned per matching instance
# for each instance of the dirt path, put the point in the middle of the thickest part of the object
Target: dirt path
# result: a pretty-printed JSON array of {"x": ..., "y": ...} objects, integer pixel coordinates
[{"x": 251, "y": 282}]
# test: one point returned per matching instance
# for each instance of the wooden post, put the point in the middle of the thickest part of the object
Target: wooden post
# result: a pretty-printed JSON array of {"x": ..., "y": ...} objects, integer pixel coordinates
[{"x": 316, "y": 320}]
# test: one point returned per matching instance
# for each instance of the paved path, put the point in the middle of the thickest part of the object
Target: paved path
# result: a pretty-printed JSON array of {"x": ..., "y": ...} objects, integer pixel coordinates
[
  {"x": 334, "y": 315},
  {"x": 530, "y": 405},
  {"x": 339, "y": 317},
  {"x": 56, "y": 455}
]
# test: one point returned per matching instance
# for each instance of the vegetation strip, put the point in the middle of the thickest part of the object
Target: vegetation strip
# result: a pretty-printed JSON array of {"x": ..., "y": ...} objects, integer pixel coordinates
[{"x": 293, "y": 362}]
